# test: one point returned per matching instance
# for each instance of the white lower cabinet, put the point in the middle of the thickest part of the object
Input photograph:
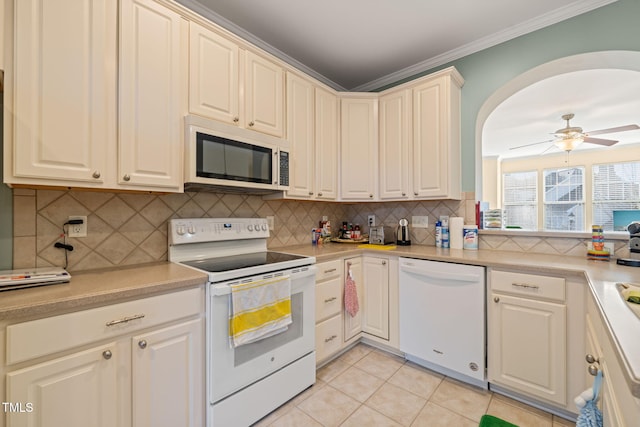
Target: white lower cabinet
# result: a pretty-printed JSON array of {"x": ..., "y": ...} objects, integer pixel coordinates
[
  {"x": 619, "y": 407},
  {"x": 527, "y": 335},
  {"x": 145, "y": 371},
  {"x": 353, "y": 324},
  {"x": 329, "y": 289},
  {"x": 376, "y": 297}
]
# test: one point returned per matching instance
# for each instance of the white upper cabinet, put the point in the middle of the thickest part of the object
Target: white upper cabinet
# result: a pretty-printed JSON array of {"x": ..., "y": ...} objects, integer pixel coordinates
[
  {"x": 264, "y": 95},
  {"x": 213, "y": 75},
  {"x": 234, "y": 85},
  {"x": 359, "y": 147},
  {"x": 61, "y": 92},
  {"x": 436, "y": 137},
  {"x": 395, "y": 138},
  {"x": 300, "y": 131},
  {"x": 153, "y": 87},
  {"x": 326, "y": 133}
]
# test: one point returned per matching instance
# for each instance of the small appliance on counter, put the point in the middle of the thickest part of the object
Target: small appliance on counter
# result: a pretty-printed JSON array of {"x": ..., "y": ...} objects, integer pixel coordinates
[
  {"x": 403, "y": 233},
  {"x": 634, "y": 246},
  {"x": 380, "y": 235},
  {"x": 17, "y": 279}
]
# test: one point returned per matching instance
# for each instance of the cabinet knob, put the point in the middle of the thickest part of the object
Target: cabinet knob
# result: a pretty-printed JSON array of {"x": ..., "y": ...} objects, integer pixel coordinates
[
  {"x": 320, "y": 194},
  {"x": 142, "y": 344},
  {"x": 127, "y": 177},
  {"x": 496, "y": 299},
  {"x": 311, "y": 193},
  {"x": 251, "y": 123},
  {"x": 236, "y": 119},
  {"x": 593, "y": 370},
  {"x": 96, "y": 174},
  {"x": 107, "y": 354},
  {"x": 404, "y": 194},
  {"x": 384, "y": 262},
  {"x": 415, "y": 193},
  {"x": 591, "y": 359},
  {"x": 371, "y": 196}
]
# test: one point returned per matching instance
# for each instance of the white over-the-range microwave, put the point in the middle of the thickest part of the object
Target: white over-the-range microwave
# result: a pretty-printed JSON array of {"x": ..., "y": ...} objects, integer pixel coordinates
[{"x": 219, "y": 155}]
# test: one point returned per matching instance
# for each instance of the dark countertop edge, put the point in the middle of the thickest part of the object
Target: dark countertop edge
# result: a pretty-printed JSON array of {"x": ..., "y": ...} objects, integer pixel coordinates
[{"x": 600, "y": 277}]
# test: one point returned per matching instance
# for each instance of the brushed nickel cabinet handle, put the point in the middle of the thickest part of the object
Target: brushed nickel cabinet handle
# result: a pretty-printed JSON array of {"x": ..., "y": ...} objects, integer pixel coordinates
[
  {"x": 125, "y": 319},
  {"x": 525, "y": 286},
  {"x": 331, "y": 338},
  {"x": 331, "y": 270},
  {"x": 328, "y": 300}
]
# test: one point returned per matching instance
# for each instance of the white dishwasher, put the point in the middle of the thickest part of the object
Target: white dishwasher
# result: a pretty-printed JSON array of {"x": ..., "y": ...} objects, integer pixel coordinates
[{"x": 442, "y": 318}]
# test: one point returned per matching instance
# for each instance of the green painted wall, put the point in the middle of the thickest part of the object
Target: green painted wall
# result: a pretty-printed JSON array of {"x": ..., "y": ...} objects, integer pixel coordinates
[{"x": 612, "y": 27}]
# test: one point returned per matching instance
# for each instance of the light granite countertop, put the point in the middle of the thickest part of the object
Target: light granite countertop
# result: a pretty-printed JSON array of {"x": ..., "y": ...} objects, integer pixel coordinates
[
  {"x": 97, "y": 287},
  {"x": 622, "y": 324}
]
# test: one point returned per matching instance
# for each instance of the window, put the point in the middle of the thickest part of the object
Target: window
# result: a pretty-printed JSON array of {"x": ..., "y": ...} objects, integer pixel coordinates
[
  {"x": 616, "y": 186},
  {"x": 519, "y": 199},
  {"x": 564, "y": 199}
]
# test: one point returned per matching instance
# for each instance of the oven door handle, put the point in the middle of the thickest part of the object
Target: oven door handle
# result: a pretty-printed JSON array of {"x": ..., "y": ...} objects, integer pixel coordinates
[{"x": 222, "y": 289}]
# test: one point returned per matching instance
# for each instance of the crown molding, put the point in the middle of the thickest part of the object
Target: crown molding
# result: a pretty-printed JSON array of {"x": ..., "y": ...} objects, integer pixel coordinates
[{"x": 561, "y": 14}]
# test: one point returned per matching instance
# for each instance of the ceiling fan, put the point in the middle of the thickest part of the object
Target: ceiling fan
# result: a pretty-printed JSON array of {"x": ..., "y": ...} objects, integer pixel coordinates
[{"x": 569, "y": 137}]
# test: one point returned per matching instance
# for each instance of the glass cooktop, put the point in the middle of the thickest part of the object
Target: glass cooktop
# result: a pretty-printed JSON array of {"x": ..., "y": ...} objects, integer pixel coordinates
[{"x": 236, "y": 262}]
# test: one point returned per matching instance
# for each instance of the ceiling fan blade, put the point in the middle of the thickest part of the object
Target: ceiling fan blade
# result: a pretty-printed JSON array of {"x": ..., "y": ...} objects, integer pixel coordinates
[
  {"x": 600, "y": 141},
  {"x": 551, "y": 146},
  {"x": 613, "y": 130},
  {"x": 528, "y": 145}
]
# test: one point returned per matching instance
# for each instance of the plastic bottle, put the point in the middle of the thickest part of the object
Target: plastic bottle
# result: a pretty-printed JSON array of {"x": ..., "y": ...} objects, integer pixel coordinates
[
  {"x": 438, "y": 234},
  {"x": 445, "y": 237}
]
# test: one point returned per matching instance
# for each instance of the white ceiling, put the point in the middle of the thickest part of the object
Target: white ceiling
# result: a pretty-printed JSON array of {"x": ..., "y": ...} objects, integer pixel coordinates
[{"x": 362, "y": 45}]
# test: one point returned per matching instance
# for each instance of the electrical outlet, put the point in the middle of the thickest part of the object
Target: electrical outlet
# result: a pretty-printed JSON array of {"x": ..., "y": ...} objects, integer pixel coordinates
[
  {"x": 420, "y": 221},
  {"x": 371, "y": 220},
  {"x": 270, "y": 221},
  {"x": 77, "y": 230}
]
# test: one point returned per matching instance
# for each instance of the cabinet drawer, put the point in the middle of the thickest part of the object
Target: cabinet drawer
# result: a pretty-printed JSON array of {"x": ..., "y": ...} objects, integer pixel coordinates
[
  {"x": 530, "y": 285},
  {"x": 328, "y": 337},
  {"x": 328, "y": 270},
  {"x": 46, "y": 336},
  {"x": 328, "y": 299}
]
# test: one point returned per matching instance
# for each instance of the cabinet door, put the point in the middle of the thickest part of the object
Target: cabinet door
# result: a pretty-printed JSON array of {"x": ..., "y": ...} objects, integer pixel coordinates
[
  {"x": 375, "y": 320},
  {"x": 64, "y": 89},
  {"x": 359, "y": 149},
  {"x": 395, "y": 135},
  {"x": 77, "y": 390},
  {"x": 213, "y": 75},
  {"x": 353, "y": 324},
  {"x": 153, "y": 51},
  {"x": 264, "y": 95},
  {"x": 168, "y": 376},
  {"x": 527, "y": 346},
  {"x": 326, "y": 132},
  {"x": 300, "y": 134},
  {"x": 328, "y": 337},
  {"x": 436, "y": 139}
]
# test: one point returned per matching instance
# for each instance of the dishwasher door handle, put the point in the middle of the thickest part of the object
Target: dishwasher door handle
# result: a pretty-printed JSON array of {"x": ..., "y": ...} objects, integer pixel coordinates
[{"x": 451, "y": 277}]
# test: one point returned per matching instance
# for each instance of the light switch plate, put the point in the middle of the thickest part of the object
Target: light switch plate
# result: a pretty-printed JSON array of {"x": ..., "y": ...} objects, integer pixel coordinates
[
  {"x": 420, "y": 221},
  {"x": 270, "y": 221}
]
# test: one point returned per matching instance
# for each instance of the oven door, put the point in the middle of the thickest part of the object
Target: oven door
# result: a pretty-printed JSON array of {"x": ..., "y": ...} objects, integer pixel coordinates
[{"x": 232, "y": 369}]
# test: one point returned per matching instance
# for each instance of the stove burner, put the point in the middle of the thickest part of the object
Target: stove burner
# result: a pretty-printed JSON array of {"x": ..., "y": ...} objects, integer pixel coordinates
[{"x": 236, "y": 262}]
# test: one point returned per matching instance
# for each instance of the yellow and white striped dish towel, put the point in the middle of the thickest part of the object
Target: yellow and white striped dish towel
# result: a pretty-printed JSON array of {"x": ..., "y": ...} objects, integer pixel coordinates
[{"x": 259, "y": 310}]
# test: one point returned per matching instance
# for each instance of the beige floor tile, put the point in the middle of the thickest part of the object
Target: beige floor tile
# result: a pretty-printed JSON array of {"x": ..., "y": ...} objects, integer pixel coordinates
[
  {"x": 433, "y": 415},
  {"x": 331, "y": 370},
  {"x": 518, "y": 404},
  {"x": 295, "y": 418},
  {"x": 355, "y": 354},
  {"x": 329, "y": 406},
  {"x": 396, "y": 403},
  {"x": 518, "y": 415},
  {"x": 462, "y": 399},
  {"x": 273, "y": 416},
  {"x": 378, "y": 364},
  {"x": 308, "y": 392},
  {"x": 367, "y": 417},
  {"x": 357, "y": 383},
  {"x": 416, "y": 380}
]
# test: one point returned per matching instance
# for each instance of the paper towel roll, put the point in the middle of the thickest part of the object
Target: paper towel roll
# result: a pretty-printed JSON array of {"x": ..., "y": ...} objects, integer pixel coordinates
[{"x": 456, "y": 224}]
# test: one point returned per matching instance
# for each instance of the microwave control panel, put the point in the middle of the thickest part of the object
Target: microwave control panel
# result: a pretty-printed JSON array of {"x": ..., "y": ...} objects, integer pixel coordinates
[{"x": 284, "y": 169}]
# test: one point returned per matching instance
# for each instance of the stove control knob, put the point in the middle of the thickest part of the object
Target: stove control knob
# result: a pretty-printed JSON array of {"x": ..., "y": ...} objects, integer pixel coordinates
[
  {"x": 250, "y": 227},
  {"x": 180, "y": 231},
  {"x": 264, "y": 227},
  {"x": 192, "y": 229}
]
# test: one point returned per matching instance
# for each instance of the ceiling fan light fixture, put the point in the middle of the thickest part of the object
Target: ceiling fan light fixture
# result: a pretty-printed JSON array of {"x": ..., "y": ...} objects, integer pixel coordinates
[{"x": 569, "y": 143}]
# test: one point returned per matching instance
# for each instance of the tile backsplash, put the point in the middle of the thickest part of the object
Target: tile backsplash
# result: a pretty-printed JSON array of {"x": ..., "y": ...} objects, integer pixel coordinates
[{"x": 125, "y": 229}]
